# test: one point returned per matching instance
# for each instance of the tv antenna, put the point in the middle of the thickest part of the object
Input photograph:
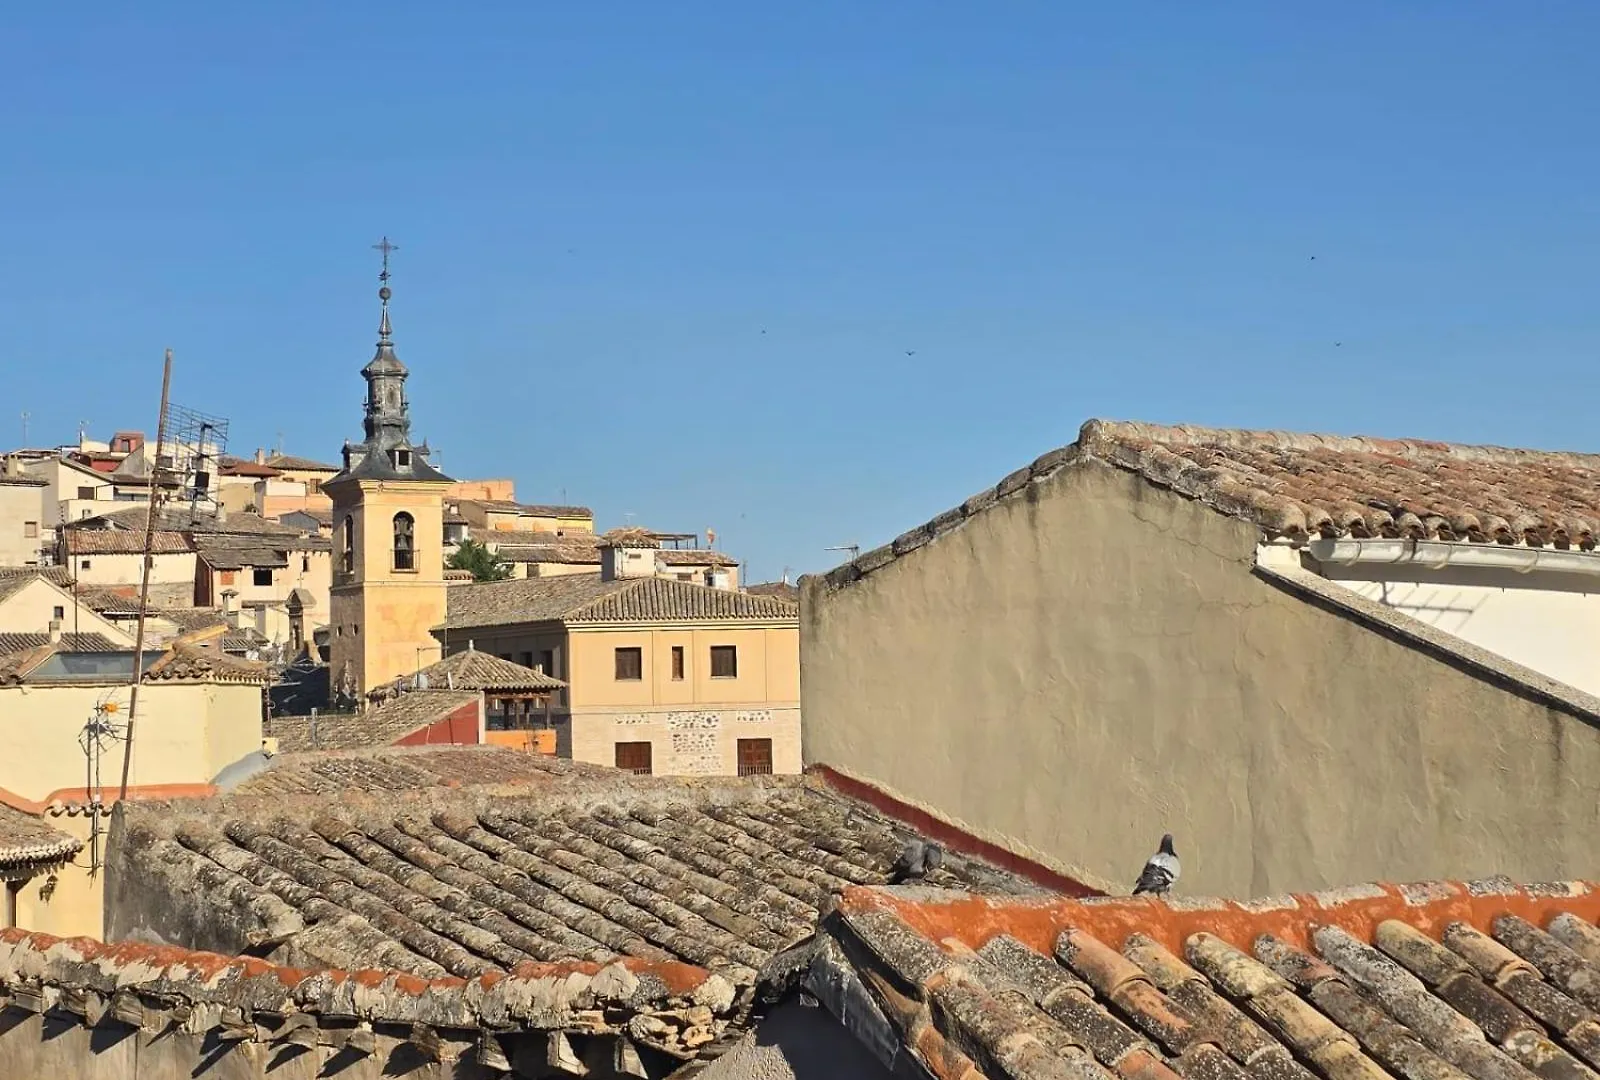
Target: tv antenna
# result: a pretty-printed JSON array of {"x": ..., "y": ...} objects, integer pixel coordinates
[
  {"x": 853, "y": 549},
  {"x": 100, "y": 732}
]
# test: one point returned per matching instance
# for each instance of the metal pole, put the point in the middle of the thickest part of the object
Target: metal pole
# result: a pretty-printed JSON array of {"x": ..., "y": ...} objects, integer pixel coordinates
[{"x": 144, "y": 575}]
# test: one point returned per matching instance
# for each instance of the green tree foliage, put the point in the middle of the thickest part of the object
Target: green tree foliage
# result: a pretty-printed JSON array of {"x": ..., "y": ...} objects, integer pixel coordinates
[{"x": 484, "y": 564}]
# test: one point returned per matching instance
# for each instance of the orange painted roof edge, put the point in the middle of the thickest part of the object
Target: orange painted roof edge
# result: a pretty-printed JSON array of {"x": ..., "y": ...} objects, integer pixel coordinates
[
  {"x": 949, "y": 835},
  {"x": 70, "y": 796},
  {"x": 1428, "y": 906}
]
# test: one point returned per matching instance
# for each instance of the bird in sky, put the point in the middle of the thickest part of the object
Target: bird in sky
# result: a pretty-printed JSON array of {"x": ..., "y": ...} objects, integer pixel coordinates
[
  {"x": 917, "y": 859},
  {"x": 911, "y": 352},
  {"x": 1160, "y": 871}
]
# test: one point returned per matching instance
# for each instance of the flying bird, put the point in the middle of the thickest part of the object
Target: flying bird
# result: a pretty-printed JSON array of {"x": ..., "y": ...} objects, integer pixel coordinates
[
  {"x": 911, "y": 352},
  {"x": 1160, "y": 871},
  {"x": 917, "y": 859}
]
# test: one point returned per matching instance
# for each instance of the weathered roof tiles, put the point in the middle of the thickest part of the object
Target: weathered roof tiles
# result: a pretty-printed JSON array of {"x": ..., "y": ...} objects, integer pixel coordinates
[
  {"x": 28, "y": 845},
  {"x": 1441, "y": 981}
]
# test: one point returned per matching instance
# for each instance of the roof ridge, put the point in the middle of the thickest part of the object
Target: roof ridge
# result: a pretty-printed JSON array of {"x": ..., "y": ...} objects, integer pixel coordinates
[{"x": 1097, "y": 436}]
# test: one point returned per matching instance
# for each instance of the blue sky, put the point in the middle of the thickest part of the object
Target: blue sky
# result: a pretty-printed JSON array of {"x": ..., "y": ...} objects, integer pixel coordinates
[{"x": 807, "y": 274}]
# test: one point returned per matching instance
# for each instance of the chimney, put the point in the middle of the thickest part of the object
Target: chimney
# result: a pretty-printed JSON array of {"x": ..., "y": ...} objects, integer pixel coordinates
[
  {"x": 718, "y": 577},
  {"x": 230, "y": 607},
  {"x": 261, "y": 456},
  {"x": 55, "y": 631}
]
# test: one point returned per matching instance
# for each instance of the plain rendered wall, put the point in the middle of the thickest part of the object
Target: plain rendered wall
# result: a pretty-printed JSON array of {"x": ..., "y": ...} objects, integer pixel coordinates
[
  {"x": 309, "y": 570},
  {"x": 177, "y": 569},
  {"x": 30, "y": 609},
  {"x": 20, "y": 504},
  {"x": 1535, "y": 619},
  {"x": 69, "y": 900},
  {"x": 186, "y": 734},
  {"x": 1092, "y": 662},
  {"x": 796, "y": 1042}
]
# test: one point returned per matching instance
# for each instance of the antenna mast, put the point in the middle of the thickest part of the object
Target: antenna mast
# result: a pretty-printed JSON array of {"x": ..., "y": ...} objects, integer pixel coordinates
[{"x": 156, "y": 479}]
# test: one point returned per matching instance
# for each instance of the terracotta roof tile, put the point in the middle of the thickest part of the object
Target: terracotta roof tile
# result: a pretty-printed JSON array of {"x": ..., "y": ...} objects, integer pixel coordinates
[
  {"x": 27, "y": 843},
  {"x": 584, "y": 598},
  {"x": 1303, "y": 486},
  {"x": 289, "y": 461},
  {"x": 721, "y": 876},
  {"x": 123, "y": 542},
  {"x": 56, "y": 575},
  {"x": 401, "y": 769},
  {"x": 381, "y": 725},
  {"x": 781, "y": 590},
  {"x": 188, "y": 663},
  {"x": 22, "y": 480},
  {"x": 473, "y": 670},
  {"x": 1438, "y": 982},
  {"x": 15, "y": 643}
]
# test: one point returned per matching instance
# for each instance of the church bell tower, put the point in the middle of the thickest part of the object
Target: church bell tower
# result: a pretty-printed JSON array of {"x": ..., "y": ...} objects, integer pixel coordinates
[{"x": 388, "y": 534}]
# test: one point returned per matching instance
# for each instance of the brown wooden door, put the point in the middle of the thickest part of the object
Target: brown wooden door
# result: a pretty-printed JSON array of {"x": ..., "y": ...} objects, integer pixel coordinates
[
  {"x": 635, "y": 757},
  {"x": 755, "y": 757}
]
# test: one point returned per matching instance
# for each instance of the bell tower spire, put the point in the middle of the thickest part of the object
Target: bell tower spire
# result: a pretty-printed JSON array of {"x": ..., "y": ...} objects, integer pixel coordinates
[{"x": 388, "y": 420}]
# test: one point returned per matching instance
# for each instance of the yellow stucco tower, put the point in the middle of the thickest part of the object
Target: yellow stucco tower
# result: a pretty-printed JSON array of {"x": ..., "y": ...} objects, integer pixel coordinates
[{"x": 388, "y": 535}]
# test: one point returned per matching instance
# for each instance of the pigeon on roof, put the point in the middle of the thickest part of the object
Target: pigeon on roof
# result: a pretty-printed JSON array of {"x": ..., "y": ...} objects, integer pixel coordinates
[
  {"x": 1160, "y": 871},
  {"x": 916, "y": 860}
]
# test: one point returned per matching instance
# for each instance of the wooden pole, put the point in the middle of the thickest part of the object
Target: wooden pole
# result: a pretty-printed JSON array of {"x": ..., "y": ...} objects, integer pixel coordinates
[{"x": 144, "y": 574}]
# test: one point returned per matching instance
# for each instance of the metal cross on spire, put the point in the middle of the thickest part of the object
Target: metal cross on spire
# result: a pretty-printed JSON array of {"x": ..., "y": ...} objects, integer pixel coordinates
[
  {"x": 383, "y": 289},
  {"x": 385, "y": 247}
]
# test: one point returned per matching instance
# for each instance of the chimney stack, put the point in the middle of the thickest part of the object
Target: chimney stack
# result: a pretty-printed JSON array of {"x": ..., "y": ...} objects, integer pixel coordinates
[
  {"x": 261, "y": 456},
  {"x": 55, "y": 631}
]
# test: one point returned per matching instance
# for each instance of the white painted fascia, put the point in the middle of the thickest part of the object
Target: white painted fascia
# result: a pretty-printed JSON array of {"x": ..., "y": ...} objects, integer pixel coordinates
[{"x": 1439, "y": 554}]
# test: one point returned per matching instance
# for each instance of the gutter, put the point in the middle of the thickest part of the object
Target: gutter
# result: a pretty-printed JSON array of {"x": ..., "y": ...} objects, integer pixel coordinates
[{"x": 1440, "y": 554}]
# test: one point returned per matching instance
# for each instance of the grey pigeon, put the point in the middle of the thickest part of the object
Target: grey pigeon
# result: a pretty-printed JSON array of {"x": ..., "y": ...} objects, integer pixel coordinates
[
  {"x": 1160, "y": 871},
  {"x": 916, "y": 860}
]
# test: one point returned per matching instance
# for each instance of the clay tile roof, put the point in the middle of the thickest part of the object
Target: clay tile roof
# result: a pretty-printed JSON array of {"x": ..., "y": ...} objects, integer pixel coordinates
[
  {"x": 1298, "y": 485},
  {"x": 56, "y": 575},
  {"x": 247, "y": 468},
  {"x": 586, "y": 598},
  {"x": 402, "y": 768},
  {"x": 1486, "y": 980},
  {"x": 473, "y": 670},
  {"x": 629, "y": 538},
  {"x": 188, "y": 663},
  {"x": 188, "y": 619},
  {"x": 719, "y": 875},
  {"x": 15, "y": 643},
  {"x": 381, "y": 725},
  {"x": 1330, "y": 486},
  {"x": 289, "y": 461},
  {"x": 22, "y": 480},
  {"x": 123, "y": 542},
  {"x": 27, "y": 843},
  {"x": 782, "y": 590}
]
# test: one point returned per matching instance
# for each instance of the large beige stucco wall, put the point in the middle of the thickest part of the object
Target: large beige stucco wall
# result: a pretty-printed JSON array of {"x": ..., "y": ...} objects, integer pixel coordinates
[
  {"x": 186, "y": 734},
  {"x": 1092, "y": 662}
]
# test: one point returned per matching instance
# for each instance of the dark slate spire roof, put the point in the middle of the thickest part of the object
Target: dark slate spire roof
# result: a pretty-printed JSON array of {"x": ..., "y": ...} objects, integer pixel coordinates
[{"x": 387, "y": 452}]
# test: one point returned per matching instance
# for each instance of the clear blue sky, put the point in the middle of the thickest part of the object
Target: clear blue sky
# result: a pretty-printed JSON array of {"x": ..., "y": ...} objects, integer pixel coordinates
[{"x": 1065, "y": 210}]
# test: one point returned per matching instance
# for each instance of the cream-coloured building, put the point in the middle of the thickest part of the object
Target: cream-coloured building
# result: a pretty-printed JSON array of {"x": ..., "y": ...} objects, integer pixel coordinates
[
  {"x": 199, "y": 712},
  {"x": 388, "y": 559},
  {"x": 548, "y": 554},
  {"x": 25, "y": 526},
  {"x": 663, "y": 676},
  {"x": 1312, "y": 658},
  {"x": 35, "y": 610},
  {"x": 257, "y": 574}
]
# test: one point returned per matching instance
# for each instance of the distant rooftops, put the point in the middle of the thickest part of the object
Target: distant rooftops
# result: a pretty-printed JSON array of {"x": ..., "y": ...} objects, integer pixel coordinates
[{"x": 586, "y": 598}]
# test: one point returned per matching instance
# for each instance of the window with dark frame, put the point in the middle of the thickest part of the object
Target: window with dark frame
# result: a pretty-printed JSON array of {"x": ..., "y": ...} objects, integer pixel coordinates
[
  {"x": 305, "y": 564},
  {"x": 547, "y": 662},
  {"x": 630, "y": 664},
  {"x": 348, "y": 559},
  {"x": 755, "y": 757},
  {"x": 724, "y": 661},
  {"x": 30, "y": 529},
  {"x": 634, "y": 757},
  {"x": 677, "y": 663},
  {"x": 83, "y": 565},
  {"x": 262, "y": 576},
  {"x": 59, "y": 612},
  {"x": 405, "y": 555},
  {"x": 86, "y": 493}
]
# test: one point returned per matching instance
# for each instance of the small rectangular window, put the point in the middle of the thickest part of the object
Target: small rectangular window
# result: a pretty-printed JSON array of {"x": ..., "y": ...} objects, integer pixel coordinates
[
  {"x": 526, "y": 659},
  {"x": 755, "y": 757},
  {"x": 86, "y": 493},
  {"x": 634, "y": 757},
  {"x": 547, "y": 662},
  {"x": 677, "y": 663},
  {"x": 305, "y": 564},
  {"x": 630, "y": 664},
  {"x": 228, "y": 576},
  {"x": 30, "y": 529},
  {"x": 262, "y": 576},
  {"x": 58, "y": 612},
  {"x": 84, "y": 565},
  {"x": 724, "y": 661}
]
